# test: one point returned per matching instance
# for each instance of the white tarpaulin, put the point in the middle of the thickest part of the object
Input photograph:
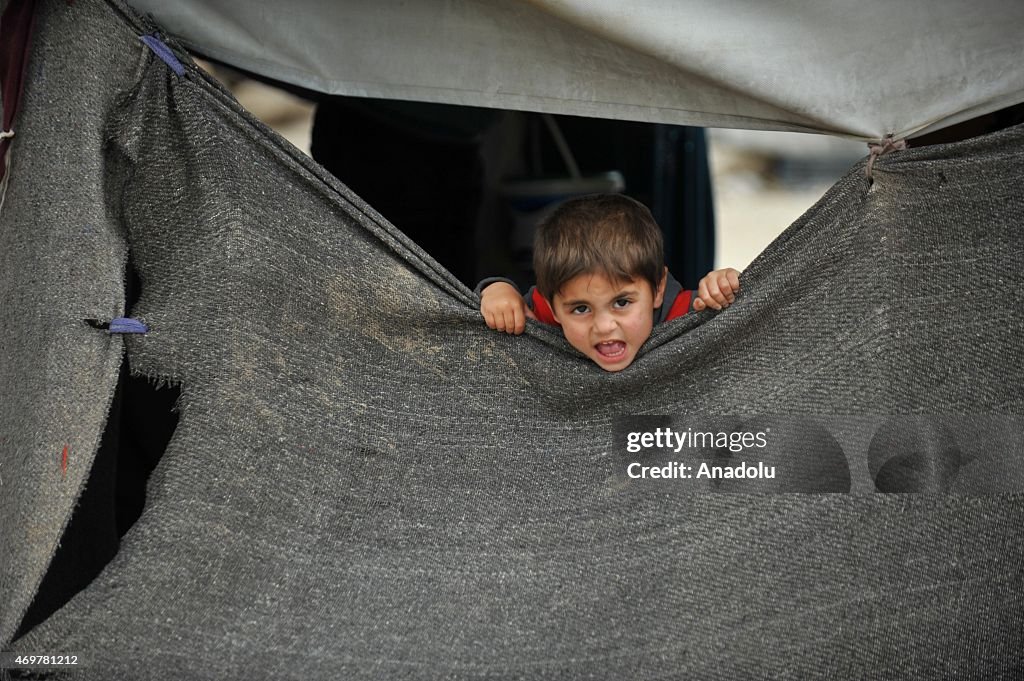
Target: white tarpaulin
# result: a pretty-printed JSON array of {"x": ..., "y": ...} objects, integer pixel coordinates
[{"x": 861, "y": 70}]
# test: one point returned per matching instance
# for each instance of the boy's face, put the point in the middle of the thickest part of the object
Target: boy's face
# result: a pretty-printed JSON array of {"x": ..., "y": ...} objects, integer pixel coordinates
[{"x": 606, "y": 320}]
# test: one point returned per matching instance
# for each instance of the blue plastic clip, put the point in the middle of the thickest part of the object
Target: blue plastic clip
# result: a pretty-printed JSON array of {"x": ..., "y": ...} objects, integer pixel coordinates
[
  {"x": 161, "y": 50},
  {"x": 127, "y": 325}
]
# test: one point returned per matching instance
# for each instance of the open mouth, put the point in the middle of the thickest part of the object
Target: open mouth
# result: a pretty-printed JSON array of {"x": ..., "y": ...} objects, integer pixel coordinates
[{"x": 611, "y": 350}]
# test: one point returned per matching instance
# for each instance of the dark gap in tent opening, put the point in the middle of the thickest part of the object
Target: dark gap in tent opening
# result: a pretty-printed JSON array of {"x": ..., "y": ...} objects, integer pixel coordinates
[
  {"x": 469, "y": 185},
  {"x": 139, "y": 427}
]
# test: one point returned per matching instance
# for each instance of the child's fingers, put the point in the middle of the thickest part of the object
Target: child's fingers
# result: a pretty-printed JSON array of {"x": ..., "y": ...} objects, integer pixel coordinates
[
  {"x": 715, "y": 294},
  {"x": 734, "y": 279},
  {"x": 727, "y": 291},
  {"x": 510, "y": 321},
  {"x": 505, "y": 321},
  {"x": 519, "y": 321},
  {"x": 702, "y": 292},
  {"x": 717, "y": 290},
  {"x": 725, "y": 286},
  {"x": 725, "y": 294},
  {"x": 495, "y": 319}
]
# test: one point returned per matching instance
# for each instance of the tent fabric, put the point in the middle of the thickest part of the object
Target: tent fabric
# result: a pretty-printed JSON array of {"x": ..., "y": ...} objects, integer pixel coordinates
[
  {"x": 365, "y": 482},
  {"x": 863, "y": 70},
  {"x": 62, "y": 259}
]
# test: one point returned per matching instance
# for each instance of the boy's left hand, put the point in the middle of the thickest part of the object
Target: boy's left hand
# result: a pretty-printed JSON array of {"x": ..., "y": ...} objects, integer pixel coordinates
[{"x": 717, "y": 289}]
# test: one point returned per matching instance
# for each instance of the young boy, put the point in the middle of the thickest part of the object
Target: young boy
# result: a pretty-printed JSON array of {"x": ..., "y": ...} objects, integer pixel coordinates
[{"x": 601, "y": 276}]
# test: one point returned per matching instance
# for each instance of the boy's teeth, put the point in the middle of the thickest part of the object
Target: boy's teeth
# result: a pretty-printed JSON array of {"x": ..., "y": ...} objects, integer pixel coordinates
[{"x": 612, "y": 348}]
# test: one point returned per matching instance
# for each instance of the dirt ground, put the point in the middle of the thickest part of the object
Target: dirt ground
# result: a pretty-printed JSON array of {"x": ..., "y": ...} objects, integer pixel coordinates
[
  {"x": 764, "y": 181},
  {"x": 747, "y": 220}
]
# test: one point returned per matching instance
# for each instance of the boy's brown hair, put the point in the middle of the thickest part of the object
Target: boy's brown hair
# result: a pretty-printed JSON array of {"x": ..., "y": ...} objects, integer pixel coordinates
[{"x": 609, "y": 234}]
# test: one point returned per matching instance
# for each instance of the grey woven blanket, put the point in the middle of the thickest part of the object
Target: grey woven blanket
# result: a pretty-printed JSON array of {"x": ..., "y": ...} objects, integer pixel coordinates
[{"x": 367, "y": 483}]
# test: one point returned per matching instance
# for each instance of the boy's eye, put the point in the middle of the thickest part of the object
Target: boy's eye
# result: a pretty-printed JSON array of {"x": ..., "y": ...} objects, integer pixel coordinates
[
  {"x": 580, "y": 309},
  {"x": 621, "y": 303}
]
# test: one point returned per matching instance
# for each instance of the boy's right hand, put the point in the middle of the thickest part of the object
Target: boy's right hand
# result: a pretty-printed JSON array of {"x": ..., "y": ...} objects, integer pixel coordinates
[{"x": 504, "y": 309}]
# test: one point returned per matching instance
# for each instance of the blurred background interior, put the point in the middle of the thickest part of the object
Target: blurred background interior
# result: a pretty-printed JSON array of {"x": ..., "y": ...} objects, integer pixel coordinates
[{"x": 468, "y": 184}]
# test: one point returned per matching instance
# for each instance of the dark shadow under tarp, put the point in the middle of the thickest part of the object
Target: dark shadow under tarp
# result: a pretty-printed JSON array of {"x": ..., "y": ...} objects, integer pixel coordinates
[{"x": 367, "y": 483}]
